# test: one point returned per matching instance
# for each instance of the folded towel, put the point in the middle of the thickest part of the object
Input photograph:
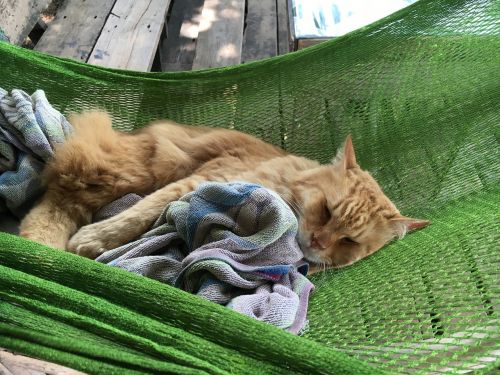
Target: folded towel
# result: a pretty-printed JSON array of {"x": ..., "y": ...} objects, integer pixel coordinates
[
  {"x": 29, "y": 129},
  {"x": 231, "y": 243}
]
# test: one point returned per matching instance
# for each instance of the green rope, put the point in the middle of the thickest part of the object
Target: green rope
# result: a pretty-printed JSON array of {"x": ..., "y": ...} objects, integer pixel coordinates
[{"x": 419, "y": 92}]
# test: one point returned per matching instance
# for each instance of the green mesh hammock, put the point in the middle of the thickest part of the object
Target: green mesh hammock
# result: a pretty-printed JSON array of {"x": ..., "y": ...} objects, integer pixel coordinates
[{"x": 419, "y": 91}]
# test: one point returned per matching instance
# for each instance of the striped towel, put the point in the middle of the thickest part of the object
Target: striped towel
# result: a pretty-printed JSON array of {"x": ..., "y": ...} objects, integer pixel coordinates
[
  {"x": 29, "y": 129},
  {"x": 231, "y": 243},
  {"x": 3, "y": 37}
]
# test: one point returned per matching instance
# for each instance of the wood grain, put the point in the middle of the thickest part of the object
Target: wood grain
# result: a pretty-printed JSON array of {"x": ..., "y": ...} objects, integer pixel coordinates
[
  {"x": 221, "y": 34},
  {"x": 283, "y": 29},
  {"x": 130, "y": 37},
  {"x": 14, "y": 364},
  {"x": 75, "y": 29},
  {"x": 4, "y": 370},
  {"x": 260, "y": 39},
  {"x": 304, "y": 43},
  {"x": 291, "y": 25},
  {"x": 17, "y": 18}
]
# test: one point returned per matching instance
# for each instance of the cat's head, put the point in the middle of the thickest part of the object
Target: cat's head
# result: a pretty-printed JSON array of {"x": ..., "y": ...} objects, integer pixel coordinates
[{"x": 344, "y": 215}]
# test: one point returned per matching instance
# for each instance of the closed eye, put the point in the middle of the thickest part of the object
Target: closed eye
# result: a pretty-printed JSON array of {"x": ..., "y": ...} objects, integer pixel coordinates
[
  {"x": 348, "y": 240},
  {"x": 327, "y": 215}
]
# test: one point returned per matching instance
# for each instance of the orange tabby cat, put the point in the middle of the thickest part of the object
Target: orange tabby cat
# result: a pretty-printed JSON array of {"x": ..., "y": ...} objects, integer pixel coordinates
[{"x": 343, "y": 214}]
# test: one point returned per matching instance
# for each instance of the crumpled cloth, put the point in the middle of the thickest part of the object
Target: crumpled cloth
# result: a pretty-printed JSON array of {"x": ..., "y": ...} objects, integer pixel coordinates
[
  {"x": 231, "y": 243},
  {"x": 30, "y": 128}
]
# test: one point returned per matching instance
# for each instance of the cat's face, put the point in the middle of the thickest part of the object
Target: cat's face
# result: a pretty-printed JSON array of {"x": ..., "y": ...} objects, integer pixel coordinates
[{"x": 344, "y": 215}]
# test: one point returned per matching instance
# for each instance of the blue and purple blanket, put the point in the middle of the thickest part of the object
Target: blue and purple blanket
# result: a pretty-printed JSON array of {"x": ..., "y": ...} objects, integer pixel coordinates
[
  {"x": 30, "y": 128},
  {"x": 231, "y": 243}
]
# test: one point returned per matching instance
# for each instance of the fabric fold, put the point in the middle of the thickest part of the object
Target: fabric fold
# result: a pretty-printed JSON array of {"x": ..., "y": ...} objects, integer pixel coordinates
[
  {"x": 30, "y": 129},
  {"x": 231, "y": 243}
]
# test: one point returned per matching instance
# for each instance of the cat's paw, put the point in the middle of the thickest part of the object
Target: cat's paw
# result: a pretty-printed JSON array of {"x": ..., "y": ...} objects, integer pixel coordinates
[{"x": 91, "y": 241}]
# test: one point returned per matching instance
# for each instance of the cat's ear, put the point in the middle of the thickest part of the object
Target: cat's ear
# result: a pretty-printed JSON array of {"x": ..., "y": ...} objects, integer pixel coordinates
[
  {"x": 346, "y": 155},
  {"x": 403, "y": 224},
  {"x": 349, "y": 155}
]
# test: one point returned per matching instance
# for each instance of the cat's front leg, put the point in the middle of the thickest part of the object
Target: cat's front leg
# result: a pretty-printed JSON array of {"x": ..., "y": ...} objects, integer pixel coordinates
[
  {"x": 53, "y": 220},
  {"x": 94, "y": 239}
]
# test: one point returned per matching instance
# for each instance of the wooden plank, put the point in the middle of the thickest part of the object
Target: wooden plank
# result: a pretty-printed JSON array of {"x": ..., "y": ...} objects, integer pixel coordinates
[
  {"x": 75, "y": 29},
  {"x": 283, "y": 29},
  {"x": 130, "y": 37},
  {"x": 260, "y": 39},
  {"x": 178, "y": 49},
  {"x": 21, "y": 365},
  {"x": 304, "y": 43},
  {"x": 291, "y": 26},
  {"x": 4, "y": 370},
  {"x": 22, "y": 370},
  {"x": 221, "y": 34},
  {"x": 17, "y": 18}
]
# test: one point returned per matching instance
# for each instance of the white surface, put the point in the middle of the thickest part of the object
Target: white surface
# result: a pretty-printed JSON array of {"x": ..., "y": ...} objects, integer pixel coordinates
[{"x": 331, "y": 18}]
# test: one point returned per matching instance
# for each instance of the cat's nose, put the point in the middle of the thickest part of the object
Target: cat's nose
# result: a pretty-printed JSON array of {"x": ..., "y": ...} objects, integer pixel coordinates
[
  {"x": 317, "y": 243},
  {"x": 314, "y": 242}
]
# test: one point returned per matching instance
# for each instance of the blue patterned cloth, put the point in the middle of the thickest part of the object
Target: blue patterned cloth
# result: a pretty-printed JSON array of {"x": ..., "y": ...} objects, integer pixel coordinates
[
  {"x": 29, "y": 129},
  {"x": 231, "y": 243},
  {"x": 3, "y": 37}
]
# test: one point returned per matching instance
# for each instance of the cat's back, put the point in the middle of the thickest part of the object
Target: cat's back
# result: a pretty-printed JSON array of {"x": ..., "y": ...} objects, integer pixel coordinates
[{"x": 204, "y": 143}]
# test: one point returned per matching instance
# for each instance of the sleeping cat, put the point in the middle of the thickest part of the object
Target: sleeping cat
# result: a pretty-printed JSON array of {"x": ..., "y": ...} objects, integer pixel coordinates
[{"x": 343, "y": 214}]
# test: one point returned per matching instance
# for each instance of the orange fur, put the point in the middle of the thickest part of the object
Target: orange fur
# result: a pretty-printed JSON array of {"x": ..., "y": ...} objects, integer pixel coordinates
[{"x": 343, "y": 214}]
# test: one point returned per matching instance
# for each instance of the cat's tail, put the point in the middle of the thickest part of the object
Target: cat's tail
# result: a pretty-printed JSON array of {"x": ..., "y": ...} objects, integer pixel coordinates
[
  {"x": 75, "y": 170},
  {"x": 93, "y": 127},
  {"x": 95, "y": 166}
]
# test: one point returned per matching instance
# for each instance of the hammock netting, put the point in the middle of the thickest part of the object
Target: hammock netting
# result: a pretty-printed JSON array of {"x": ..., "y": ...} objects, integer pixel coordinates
[{"x": 419, "y": 92}]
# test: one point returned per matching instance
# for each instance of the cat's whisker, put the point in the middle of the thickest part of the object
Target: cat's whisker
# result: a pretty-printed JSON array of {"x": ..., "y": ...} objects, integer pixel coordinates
[
  {"x": 294, "y": 206},
  {"x": 290, "y": 204},
  {"x": 322, "y": 267}
]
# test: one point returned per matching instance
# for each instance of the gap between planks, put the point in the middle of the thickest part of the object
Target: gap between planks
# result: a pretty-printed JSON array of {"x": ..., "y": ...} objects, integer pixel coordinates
[{"x": 17, "y": 18}]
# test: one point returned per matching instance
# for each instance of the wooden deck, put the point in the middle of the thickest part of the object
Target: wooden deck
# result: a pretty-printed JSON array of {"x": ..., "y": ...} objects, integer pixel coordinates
[
  {"x": 13, "y": 364},
  {"x": 144, "y": 35}
]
